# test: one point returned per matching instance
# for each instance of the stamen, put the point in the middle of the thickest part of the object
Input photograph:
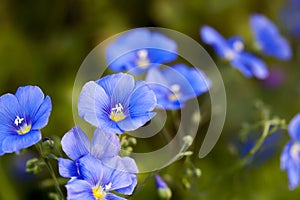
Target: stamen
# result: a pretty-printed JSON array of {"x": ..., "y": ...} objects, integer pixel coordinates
[
  {"x": 117, "y": 113},
  {"x": 18, "y": 120},
  {"x": 108, "y": 186},
  {"x": 143, "y": 60}
]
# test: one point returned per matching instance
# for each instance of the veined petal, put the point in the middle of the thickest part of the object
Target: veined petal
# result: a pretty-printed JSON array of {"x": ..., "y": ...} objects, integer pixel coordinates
[
  {"x": 41, "y": 117},
  {"x": 111, "y": 196},
  {"x": 294, "y": 128},
  {"x": 9, "y": 110},
  {"x": 129, "y": 189},
  {"x": 141, "y": 100},
  {"x": 14, "y": 143},
  {"x": 91, "y": 169},
  {"x": 75, "y": 143},
  {"x": 94, "y": 104},
  {"x": 79, "y": 189},
  {"x": 67, "y": 168},
  {"x": 105, "y": 144},
  {"x": 30, "y": 98},
  {"x": 132, "y": 123},
  {"x": 114, "y": 172}
]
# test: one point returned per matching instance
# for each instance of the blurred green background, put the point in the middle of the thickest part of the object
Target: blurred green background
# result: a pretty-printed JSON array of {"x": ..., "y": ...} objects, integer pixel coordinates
[{"x": 44, "y": 43}]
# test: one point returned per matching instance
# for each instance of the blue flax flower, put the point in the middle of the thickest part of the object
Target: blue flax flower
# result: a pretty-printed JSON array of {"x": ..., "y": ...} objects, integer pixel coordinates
[
  {"x": 21, "y": 117},
  {"x": 233, "y": 51},
  {"x": 138, "y": 50},
  {"x": 96, "y": 181},
  {"x": 117, "y": 103},
  {"x": 175, "y": 85},
  {"x": 290, "y": 157},
  {"x": 105, "y": 147},
  {"x": 269, "y": 39}
]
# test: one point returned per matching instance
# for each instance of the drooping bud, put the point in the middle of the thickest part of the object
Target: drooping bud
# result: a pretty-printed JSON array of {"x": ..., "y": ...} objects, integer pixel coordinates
[{"x": 164, "y": 192}]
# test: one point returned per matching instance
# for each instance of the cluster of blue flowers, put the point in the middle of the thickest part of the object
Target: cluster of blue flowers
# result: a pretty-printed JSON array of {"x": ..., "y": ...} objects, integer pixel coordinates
[
  {"x": 141, "y": 51},
  {"x": 267, "y": 39}
]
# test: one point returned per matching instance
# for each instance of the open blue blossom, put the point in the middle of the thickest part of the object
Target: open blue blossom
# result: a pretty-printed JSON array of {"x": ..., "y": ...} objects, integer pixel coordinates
[
  {"x": 21, "y": 117},
  {"x": 290, "y": 157},
  {"x": 105, "y": 147},
  {"x": 268, "y": 38},
  {"x": 138, "y": 50},
  {"x": 96, "y": 181},
  {"x": 175, "y": 85},
  {"x": 233, "y": 51},
  {"x": 117, "y": 103}
]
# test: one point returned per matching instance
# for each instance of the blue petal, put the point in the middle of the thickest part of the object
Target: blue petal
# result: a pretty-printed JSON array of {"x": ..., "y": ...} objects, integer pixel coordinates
[
  {"x": 129, "y": 165},
  {"x": 142, "y": 100},
  {"x": 41, "y": 117},
  {"x": 212, "y": 37},
  {"x": 105, "y": 144},
  {"x": 67, "y": 168},
  {"x": 30, "y": 99},
  {"x": 79, "y": 189},
  {"x": 94, "y": 104},
  {"x": 9, "y": 110},
  {"x": 115, "y": 172},
  {"x": 111, "y": 196},
  {"x": 90, "y": 169},
  {"x": 75, "y": 143},
  {"x": 268, "y": 38},
  {"x": 14, "y": 143},
  {"x": 294, "y": 128},
  {"x": 129, "y": 189},
  {"x": 160, "y": 183},
  {"x": 285, "y": 156},
  {"x": 250, "y": 66},
  {"x": 133, "y": 123}
]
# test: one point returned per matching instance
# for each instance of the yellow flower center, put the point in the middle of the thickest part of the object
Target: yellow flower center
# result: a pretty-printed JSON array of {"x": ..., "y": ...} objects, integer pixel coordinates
[
  {"x": 117, "y": 113},
  {"x": 98, "y": 193},
  {"x": 143, "y": 60}
]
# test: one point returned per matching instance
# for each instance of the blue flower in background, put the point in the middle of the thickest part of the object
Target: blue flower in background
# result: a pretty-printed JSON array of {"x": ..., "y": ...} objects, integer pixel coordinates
[
  {"x": 290, "y": 157},
  {"x": 164, "y": 192},
  {"x": 268, "y": 38},
  {"x": 290, "y": 17},
  {"x": 105, "y": 147},
  {"x": 96, "y": 181},
  {"x": 175, "y": 85},
  {"x": 138, "y": 50},
  {"x": 117, "y": 103},
  {"x": 21, "y": 117},
  {"x": 233, "y": 51}
]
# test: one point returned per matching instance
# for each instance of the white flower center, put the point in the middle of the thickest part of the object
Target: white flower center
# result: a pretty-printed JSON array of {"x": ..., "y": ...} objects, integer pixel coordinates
[
  {"x": 175, "y": 88},
  {"x": 142, "y": 60},
  {"x": 116, "y": 113},
  {"x": 22, "y": 129},
  {"x": 238, "y": 46},
  {"x": 295, "y": 152}
]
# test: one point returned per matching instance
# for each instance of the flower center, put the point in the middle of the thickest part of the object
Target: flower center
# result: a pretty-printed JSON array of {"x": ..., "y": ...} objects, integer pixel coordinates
[
  {"x": 175, "y": 92},
  {"x": 143, "y": 60},
  {"x": 238, "y": 46},
  {"x": 23, "y": 128},
  {"x": 98, "y": 192},
  {"x": 116, "y": 113}
]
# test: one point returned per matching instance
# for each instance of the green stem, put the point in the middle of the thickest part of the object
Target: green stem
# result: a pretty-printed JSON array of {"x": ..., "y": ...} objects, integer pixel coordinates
[{"x": 51, "y": 171}]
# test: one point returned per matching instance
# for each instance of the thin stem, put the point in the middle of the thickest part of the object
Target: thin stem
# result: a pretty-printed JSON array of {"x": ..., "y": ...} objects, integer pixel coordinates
[{"x": 51, "y": 171}]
